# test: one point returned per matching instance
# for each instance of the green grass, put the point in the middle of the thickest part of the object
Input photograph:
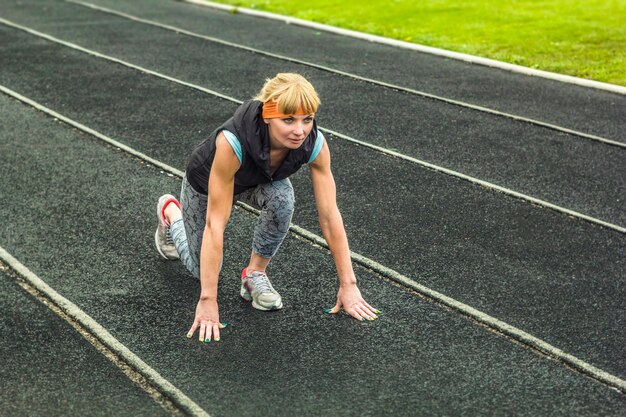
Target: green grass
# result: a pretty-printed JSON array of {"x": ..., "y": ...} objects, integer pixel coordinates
[{"x": 583, "y": 38}]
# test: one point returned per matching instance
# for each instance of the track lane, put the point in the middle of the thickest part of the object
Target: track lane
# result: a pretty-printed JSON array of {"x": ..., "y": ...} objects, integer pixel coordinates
[{"x": 115, "y": 276}]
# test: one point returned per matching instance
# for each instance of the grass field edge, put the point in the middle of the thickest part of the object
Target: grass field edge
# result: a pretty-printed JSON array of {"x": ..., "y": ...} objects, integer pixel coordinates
[{"x": 473, "y": 59}]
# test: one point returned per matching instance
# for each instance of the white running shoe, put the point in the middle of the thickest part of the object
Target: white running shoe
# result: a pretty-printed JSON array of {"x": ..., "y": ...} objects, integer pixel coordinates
[
  {"x": 162, "y": 236},
  {"x": 256, "y": 287}
]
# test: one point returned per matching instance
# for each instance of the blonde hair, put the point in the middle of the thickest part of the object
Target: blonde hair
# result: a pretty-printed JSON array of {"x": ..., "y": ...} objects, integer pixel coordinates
[{"x": 291, "y": 92}]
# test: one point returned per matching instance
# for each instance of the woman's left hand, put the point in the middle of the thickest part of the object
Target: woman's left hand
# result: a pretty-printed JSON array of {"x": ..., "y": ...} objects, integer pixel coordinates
[{"x": 349, "y": 298}]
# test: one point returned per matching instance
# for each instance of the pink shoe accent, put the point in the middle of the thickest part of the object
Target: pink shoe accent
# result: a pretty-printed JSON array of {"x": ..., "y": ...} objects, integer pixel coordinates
[{"x": 167, "y": 202}]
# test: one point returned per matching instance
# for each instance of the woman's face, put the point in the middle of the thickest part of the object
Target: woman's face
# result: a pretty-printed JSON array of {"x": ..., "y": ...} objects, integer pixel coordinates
[{"x": 289, "y": 132}]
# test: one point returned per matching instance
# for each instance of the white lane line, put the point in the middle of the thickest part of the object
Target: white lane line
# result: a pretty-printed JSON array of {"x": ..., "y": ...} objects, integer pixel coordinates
[
  {"x": 417, "y": 47},
  {"x": 483, "y": 318},
  {"x": 389, "y": 152},
  {"x": 354, "y": 76},
  {"x": 102, "y": 335},
  {"x": 137, "y": 378}
]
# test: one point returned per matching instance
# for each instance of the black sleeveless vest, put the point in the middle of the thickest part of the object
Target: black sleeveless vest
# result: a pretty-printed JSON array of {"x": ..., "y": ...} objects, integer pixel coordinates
[{"x": 247, "y": 124}]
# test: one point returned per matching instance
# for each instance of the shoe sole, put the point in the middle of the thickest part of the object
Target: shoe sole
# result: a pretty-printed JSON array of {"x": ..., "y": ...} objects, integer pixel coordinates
[{"x": 260, "y": 307}]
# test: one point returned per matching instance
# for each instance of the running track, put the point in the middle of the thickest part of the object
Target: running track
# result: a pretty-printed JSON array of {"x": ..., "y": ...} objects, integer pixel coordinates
[{"x": 484, "y": 209}]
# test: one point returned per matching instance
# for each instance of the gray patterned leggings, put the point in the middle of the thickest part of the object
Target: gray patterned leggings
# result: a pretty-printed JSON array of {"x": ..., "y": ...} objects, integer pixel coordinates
[{"x": 276, "y": 201}]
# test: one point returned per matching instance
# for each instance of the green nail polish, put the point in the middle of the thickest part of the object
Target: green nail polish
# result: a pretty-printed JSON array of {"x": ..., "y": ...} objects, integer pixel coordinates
[
  {"x": 379, "y": 312},
  {"x": 189, "y": 335},
  {"x": 328, "y": 310},
  {"x": 207, "y": 340},
  {"x": 217, "y": 339},
  {"x": 224, "y": 324},
  {"x": 362, "y": 318}
]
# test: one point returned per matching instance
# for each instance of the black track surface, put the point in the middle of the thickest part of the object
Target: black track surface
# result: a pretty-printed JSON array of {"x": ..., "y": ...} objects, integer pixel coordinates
[
  {"x": 82, "y": 219},
  {"x": 43, "y": 357}
]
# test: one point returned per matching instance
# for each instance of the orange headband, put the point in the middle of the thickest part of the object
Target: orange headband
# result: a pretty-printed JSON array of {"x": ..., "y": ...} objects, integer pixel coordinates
[{"x": 270, "y": 110}]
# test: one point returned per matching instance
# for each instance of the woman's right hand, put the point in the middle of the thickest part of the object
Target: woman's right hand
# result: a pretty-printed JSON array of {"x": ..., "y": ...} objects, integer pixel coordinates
[{"x": 207, "y": 321}]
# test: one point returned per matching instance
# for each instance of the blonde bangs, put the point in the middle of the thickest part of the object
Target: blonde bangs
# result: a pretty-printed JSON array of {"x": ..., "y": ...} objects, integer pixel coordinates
[
  {"x": 291, "y": 92},
  {"x": 296, "y": 98}
]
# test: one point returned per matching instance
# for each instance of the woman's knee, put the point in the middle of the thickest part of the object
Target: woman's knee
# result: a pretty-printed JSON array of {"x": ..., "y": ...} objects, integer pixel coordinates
[{"x": 280, "y": 198}]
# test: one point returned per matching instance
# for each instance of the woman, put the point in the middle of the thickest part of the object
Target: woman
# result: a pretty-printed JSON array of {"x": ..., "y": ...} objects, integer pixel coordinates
[{"x": 250, "y": 158}]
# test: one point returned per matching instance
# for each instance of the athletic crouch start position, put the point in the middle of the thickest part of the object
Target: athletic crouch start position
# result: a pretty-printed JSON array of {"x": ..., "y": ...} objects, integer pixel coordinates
[{"x": 249, "y": 158}]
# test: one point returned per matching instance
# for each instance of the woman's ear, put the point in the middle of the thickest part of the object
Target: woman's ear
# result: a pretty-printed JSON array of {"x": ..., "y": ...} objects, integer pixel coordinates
[{"x": 266, "y": 121}]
